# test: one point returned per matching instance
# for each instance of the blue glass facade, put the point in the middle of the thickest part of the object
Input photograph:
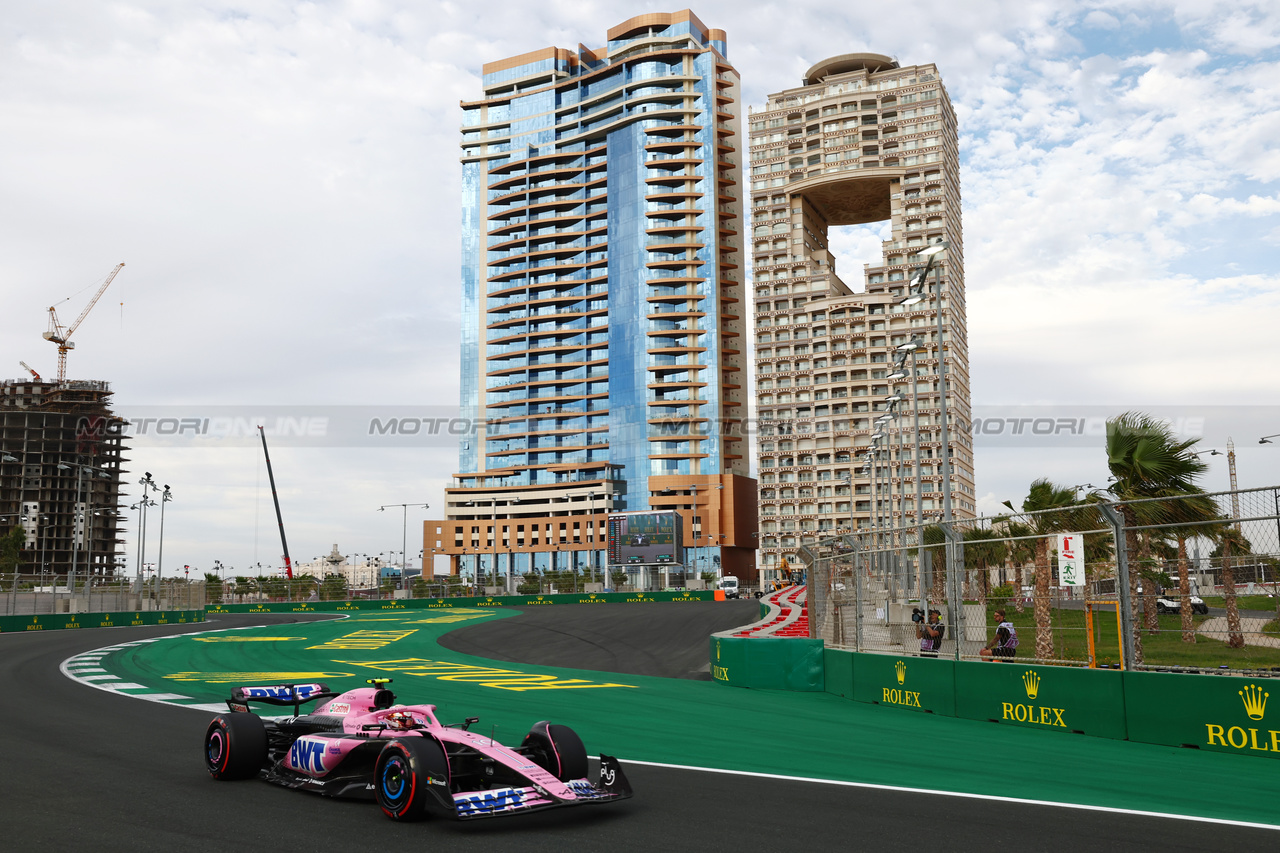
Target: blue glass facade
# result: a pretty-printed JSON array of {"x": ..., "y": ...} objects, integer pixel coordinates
[
  {"x": 595, "y": 298},
  {"x": 469, "y": 387},
  {"x": 628, "y": 343}
]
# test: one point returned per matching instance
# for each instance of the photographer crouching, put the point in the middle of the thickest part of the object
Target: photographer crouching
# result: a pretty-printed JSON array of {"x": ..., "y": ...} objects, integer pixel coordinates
[{"x": 929, "y": 633}]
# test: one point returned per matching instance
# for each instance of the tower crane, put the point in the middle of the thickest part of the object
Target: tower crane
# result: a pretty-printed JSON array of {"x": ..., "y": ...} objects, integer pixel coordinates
[{"x": 60, "y": 336}]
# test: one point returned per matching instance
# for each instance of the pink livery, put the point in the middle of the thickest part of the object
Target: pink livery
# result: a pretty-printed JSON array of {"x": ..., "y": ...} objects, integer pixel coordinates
[{"x": 362, "y": 744}]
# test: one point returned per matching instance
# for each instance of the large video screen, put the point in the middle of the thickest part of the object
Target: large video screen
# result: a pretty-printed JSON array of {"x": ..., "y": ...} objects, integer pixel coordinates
[{"x": 644, "y": 537}]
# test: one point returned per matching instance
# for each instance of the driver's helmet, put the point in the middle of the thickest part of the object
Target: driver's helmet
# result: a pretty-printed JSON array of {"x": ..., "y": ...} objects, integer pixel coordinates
[{"x": 399, "y": 720}]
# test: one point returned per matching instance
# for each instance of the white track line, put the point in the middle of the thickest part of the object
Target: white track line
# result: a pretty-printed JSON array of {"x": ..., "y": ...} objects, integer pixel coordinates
[{"x": 899, "y": 788}]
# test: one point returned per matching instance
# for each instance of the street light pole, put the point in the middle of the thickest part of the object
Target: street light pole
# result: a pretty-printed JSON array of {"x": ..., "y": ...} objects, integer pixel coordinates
[
  {"x": 165, "y": 497},
  {"x": 404, "y": 533}
]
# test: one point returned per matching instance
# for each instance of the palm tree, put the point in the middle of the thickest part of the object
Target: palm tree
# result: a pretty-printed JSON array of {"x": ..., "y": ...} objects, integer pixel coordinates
[
  {"x": 1147, "y": 461},
  {"x": 1043, "y": 498},
  {"x": 1198, "y": 511},
  {"x": 1230, "y": 542},
  {"x": 1021, "y": 551},
  {"x": 934, "y": 540},
  {"x": 983, "y": 548}
]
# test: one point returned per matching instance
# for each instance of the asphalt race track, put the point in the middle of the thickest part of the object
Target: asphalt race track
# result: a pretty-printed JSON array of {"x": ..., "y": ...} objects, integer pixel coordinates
[
  {"x": 84, "y": 769},
  {"x": 667, "y": 639}
]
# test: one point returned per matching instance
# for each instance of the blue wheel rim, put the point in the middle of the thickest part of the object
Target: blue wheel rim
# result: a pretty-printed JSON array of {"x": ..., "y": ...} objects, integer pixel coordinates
[{"x": 394, "y": 774}]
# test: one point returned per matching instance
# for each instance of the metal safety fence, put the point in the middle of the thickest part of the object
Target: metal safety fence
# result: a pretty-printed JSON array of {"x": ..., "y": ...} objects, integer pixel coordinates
[
  {"x": 52, "y": 592},
  {"x": 1188, "y": 583}
]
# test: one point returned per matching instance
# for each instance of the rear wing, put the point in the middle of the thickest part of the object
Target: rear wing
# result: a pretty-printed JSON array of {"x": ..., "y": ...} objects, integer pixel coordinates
[{"x": 282, "y": 695}]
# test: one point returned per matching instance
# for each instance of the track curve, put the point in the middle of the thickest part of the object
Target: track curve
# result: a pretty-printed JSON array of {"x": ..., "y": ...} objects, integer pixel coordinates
[
  {"x": 666, "y": 639},
  {"x": 84, "y": 769}
]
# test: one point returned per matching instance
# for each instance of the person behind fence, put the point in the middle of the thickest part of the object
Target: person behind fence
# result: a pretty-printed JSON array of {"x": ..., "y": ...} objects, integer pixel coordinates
[
  {"x": 930, "y": 633},
  {"x": 1005, "y": 642}
]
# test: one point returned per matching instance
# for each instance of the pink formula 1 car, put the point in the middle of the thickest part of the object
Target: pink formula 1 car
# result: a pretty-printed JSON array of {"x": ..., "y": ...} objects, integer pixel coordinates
[{"x": 362, "y": 744}]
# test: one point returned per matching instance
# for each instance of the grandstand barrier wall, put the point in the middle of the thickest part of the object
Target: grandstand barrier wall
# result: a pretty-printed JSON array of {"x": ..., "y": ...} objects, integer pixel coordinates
[{"x": 72, "y": 621}]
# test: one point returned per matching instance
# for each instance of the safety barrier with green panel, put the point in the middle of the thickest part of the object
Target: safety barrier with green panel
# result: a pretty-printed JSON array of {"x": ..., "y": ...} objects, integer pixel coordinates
[
  {"x": 767, "y": 663},
  {"x": 1053, "y": 698},
  {"x": 65, "y": 621},
  {"x": 1216, "y": 712},
  {"x": 914, "y": 683},
  {"x": 838, "y": 672},
  {"x": 376, "y": 604}
]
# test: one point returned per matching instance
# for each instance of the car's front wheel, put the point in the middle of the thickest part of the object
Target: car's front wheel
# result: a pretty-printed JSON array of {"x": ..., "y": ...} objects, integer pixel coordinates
[
  {"x": 558, "y": 750},
  {"x": 235, "y": 746},
  {"x": 404, "y": 775}
]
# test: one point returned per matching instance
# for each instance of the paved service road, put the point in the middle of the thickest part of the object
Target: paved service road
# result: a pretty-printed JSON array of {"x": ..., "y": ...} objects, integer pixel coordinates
[{"x": 84, "y": 769}]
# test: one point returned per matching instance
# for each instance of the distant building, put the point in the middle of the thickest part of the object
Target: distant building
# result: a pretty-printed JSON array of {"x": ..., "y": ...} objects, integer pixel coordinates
[
  {"x": 366, "y": 574},
  {"x": 60, "y": 474},
  {"x": 603, "y": 326},
  {"x": 861, "y": 140}
]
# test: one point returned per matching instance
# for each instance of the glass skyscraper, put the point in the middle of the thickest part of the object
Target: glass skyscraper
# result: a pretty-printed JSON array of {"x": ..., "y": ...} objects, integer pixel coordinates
[{"x": 603, "y": 334}]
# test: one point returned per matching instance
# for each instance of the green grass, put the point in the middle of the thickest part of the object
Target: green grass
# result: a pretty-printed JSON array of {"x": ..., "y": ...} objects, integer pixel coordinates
[
  {"x": 1163, "y": 648},
  {"x": 1244, "y": 602}
]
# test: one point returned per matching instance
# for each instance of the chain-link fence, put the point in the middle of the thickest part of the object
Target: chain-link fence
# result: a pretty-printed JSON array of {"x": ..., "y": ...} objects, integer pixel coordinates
[
  {"x": 34, "y": 594},
  {"x": 1189, "y": 582}
]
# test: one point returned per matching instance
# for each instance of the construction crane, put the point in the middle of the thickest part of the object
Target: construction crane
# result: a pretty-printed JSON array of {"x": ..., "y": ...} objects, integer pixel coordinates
[
  {"x": 30, "y": 370},
  {"x": 60, "y": 336}
]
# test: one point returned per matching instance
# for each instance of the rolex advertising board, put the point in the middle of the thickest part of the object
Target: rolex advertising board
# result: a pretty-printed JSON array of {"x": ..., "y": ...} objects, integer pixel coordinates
[
  {"x": 913, "y": 683},
  {"x": 1051, "y": 698},
  {"x": 1214, "y": 712}
]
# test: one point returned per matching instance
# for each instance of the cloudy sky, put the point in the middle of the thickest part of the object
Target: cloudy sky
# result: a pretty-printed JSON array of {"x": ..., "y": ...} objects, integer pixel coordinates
[{"x": 282, "y": 180}]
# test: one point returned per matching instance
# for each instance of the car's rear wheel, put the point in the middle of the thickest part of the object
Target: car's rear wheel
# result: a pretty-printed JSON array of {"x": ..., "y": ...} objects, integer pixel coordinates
[
  {"x": 235, "y": 746},
  {"x": 558, "y": 750},
  {"x": 403, "y": 776}
]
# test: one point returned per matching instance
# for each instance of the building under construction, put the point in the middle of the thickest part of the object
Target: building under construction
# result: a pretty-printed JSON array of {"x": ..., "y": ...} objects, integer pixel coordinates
[{"x": 60, "y": 475}]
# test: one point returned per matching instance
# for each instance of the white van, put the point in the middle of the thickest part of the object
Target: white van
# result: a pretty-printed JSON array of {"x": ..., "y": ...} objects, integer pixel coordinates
[{"x": 729, "y": 584}]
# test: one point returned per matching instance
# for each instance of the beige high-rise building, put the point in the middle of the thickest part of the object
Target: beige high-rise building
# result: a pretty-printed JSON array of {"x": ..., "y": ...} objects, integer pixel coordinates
[{"x": 861, "y": 141}]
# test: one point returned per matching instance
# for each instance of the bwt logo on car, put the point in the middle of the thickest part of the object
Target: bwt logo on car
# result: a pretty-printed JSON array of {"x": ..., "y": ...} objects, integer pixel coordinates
[
  {"x": 500, "y": 799},
  {"x": 307, "y": 756},
  {"x": 301, "y": 692}
]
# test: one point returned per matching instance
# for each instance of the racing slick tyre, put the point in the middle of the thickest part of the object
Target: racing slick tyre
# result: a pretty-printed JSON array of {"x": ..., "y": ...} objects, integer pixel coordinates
[
  {"x": 558, "y": 750},
  {"x": 235, "y": 746},
  {"x": 403, "y": 777}
]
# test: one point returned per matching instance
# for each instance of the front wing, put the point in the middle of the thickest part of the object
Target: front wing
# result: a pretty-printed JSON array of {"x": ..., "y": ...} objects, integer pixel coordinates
[{"x": 496, "y": 802}]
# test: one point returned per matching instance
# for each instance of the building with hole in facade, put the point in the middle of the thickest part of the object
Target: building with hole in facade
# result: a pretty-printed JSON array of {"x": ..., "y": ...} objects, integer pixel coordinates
[
  {"x": 862, "y": 141},
  {"x": 603, "y": 332}
]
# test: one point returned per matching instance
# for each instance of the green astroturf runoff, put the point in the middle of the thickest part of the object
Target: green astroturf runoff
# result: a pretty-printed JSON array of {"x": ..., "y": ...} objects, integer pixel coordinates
[{"x": 702, "y": 723}]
